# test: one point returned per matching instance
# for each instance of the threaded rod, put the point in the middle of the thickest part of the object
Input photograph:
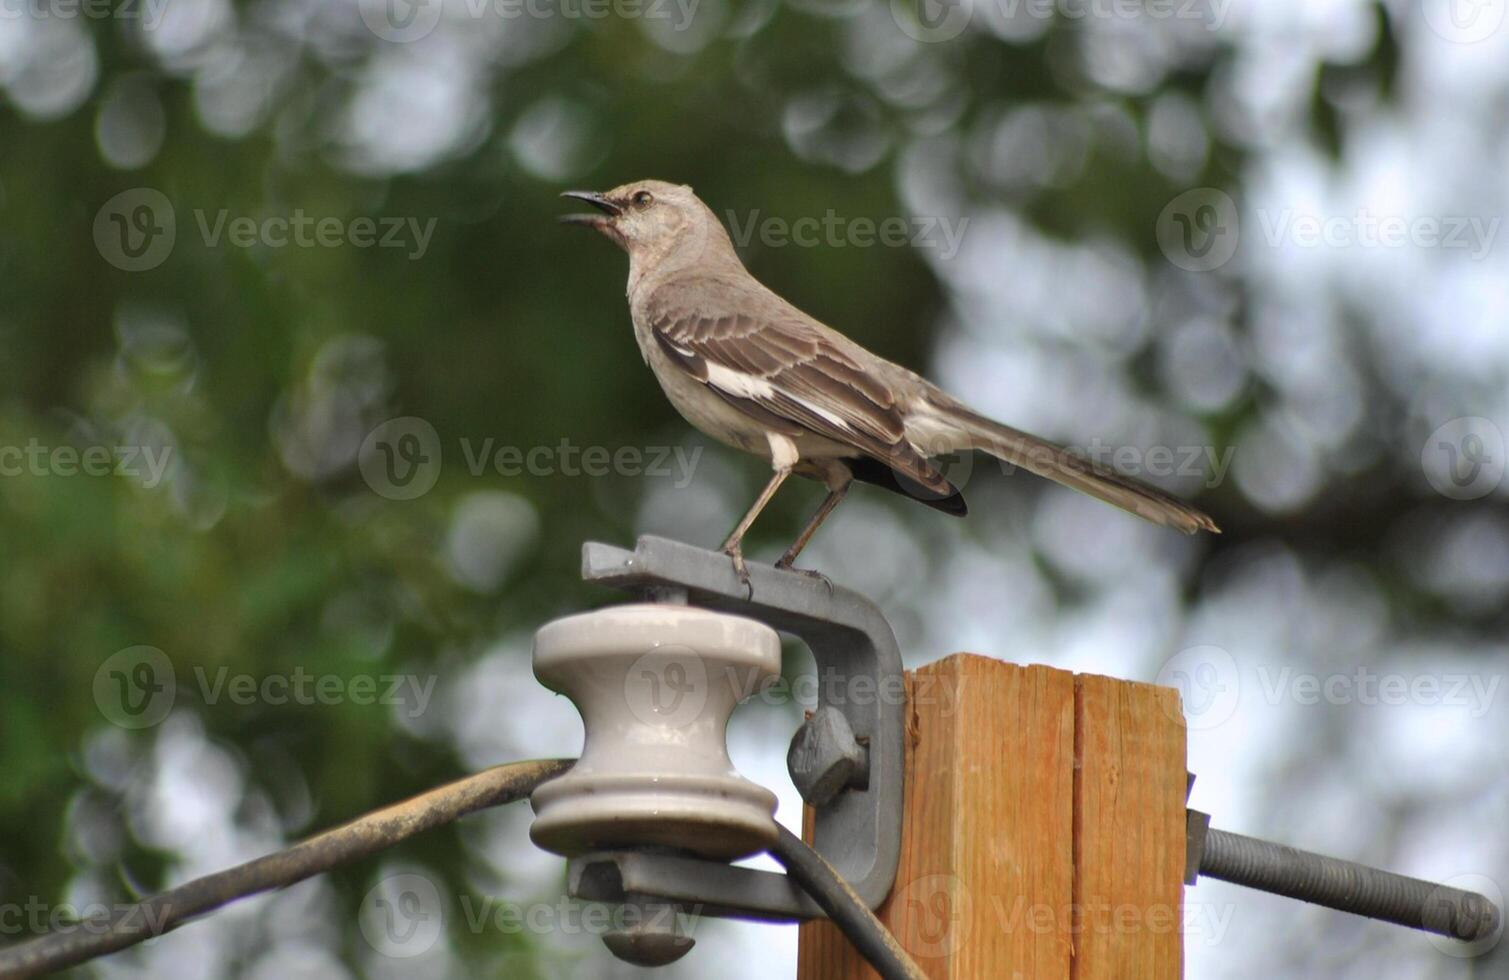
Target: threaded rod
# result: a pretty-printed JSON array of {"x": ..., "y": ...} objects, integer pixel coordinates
[{"x": 1347, "y": 887}]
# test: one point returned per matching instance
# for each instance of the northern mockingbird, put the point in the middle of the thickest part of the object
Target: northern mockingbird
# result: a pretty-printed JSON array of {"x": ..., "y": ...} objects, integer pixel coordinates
[{"x": 754, "y": 372}]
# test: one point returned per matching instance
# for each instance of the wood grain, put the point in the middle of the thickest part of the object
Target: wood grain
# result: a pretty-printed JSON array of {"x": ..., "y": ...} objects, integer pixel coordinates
[
  {"x": 986, "y": 859},
  {"x": 1044, "y": 832},
  {"x": 1129, "y": 787}
]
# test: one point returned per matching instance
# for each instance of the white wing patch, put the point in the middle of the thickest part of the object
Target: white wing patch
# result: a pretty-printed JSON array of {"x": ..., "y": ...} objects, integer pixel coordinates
[
  {"x": 736, "y": 382},
  {"x": 931, "y": 434},
  {"x": 743, "y": 385}
]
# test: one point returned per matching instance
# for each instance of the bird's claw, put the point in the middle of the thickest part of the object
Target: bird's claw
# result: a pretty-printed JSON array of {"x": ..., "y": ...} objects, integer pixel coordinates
[
  {"x": 785, "y": 566},
  {"x": 740, "y": 569}
]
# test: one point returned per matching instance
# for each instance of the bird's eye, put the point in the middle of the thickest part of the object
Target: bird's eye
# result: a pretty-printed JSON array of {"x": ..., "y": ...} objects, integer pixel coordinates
[{"x": 644, "y": 199}]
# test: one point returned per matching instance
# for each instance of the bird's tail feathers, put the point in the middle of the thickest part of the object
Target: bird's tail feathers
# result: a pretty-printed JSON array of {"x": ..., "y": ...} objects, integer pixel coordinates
[{"x": 1063, "y": 465}]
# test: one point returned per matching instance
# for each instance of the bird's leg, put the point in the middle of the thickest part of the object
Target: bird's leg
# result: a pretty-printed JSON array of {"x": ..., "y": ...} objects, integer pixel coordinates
[
  {"x": 835, "y": 495},
  {"x": 837, "y": 488},
  {"x": 733, "y": 547}
]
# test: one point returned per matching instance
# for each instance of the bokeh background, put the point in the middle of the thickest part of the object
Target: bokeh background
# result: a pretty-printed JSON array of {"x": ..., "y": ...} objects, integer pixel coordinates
[{"x": 1263, "y": 234}]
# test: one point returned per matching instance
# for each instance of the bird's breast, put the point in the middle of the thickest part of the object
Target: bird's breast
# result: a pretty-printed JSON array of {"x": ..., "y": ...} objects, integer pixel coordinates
[{"x": 697, "y": 404}]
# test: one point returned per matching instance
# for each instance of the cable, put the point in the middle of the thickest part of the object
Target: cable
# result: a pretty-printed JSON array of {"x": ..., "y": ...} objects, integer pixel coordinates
[
  {"x": 365, "y": 835},
  {"x": 847, "y": 910}
]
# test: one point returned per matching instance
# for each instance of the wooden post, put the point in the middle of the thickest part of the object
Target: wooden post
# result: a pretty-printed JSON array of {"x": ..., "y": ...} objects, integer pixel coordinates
[{"x": 1044, "y": 833}]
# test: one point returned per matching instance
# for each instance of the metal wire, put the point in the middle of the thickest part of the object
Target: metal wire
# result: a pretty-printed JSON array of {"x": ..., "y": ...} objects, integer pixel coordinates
[
  {"x": 834, "y": 896},
  {"x": 363, "y": 836},
  {"x": 1348, "y": 887}
]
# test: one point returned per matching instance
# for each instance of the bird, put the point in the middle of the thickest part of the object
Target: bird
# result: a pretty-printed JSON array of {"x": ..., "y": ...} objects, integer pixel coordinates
[{"x": 752, "y": 371}]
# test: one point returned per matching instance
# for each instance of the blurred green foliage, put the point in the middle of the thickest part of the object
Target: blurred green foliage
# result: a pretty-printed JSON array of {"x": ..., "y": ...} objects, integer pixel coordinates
[{"x": 508, "y": 326}]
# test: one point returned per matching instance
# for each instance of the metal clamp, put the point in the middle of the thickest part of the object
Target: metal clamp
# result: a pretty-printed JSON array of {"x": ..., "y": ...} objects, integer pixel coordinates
[{"x": 857, "y": 829}]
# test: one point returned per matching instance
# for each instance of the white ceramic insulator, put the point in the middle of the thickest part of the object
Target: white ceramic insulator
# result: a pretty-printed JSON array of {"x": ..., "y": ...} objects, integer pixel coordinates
[{"x": 655, "y": 685}]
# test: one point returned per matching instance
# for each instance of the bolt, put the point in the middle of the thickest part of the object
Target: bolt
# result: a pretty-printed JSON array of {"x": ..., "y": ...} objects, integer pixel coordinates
[
  {"x": 825, "y": 758},
  {"x": 1348, "y": 887},
  {"x": 650, "y": 933}
]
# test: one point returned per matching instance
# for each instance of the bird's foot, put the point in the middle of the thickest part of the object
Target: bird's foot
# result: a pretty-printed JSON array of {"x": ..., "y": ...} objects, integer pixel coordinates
[
  {"x": 740, "y": 568},
  {"x": 785, "y": 565}
]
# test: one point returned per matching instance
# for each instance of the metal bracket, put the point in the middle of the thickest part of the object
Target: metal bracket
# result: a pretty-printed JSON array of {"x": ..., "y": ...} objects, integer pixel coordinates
[
  {"x": 859, "y": 673},
  {"x": 708, "y": 887},
  {"x": 1196, "y": 828}
]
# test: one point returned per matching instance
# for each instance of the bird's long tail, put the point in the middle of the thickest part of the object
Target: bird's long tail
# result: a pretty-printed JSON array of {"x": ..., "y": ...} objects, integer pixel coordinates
[{"x": 1064, "y": 466}]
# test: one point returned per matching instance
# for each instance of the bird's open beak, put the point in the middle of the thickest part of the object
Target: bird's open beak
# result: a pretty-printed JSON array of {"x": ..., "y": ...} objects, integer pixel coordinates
[{"x": 597, "y": 201}]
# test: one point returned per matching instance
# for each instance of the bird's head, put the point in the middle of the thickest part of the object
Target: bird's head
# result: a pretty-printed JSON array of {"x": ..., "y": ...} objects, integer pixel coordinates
[{"x": 651, "y": 220}]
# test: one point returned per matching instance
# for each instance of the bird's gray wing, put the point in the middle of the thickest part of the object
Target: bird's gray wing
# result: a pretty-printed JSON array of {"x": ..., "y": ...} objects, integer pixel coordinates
[{"x": 786, "y": 374}]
